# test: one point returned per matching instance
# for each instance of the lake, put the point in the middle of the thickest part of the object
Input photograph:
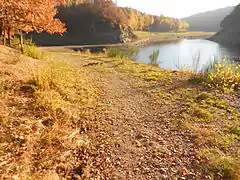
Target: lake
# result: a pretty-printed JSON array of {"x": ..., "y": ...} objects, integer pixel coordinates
[{"x": 182, "y": 54}]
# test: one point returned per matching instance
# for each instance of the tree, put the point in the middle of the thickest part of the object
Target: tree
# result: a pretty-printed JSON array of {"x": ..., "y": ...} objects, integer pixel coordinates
[
  {"x": 109, "y": 10},
  {"x": 29, "y": 15},
  {"x": 139, "y": 21}
]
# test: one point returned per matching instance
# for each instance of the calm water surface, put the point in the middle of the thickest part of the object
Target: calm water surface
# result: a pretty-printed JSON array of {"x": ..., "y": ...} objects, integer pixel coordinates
[{"x": 182, "y": 54}]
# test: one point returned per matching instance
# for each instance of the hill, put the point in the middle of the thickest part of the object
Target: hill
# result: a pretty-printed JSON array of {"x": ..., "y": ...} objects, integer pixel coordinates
[
  {"x": 230, "y": 29},
  {"x": 208, "y": 21},
  {"x": 93, "y": 24}
]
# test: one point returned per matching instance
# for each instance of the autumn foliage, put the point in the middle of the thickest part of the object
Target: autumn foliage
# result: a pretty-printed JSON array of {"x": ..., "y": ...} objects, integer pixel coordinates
[
  {"x": 139, "y": 21},
  {"x": 109, "y": 10},
  {"x": 29, "y": 15},
  {"x": 130, "y": 17}
]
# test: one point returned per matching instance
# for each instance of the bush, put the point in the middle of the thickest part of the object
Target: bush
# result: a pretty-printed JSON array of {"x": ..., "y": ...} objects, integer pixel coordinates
[
  {"x": 33, "y": 51},
  {"x": 225, "y": 76}
]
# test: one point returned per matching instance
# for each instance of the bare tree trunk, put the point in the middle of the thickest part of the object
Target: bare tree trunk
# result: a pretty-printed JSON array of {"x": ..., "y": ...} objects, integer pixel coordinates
[
  {"x": 9, "y": 36},
  {"x": 21, "y": 41},
  {"x": 4, "y": 37}
]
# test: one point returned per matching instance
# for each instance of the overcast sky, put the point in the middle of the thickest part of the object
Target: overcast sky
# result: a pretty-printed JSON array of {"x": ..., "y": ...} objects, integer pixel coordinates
[{"x": 176, "y": 8}]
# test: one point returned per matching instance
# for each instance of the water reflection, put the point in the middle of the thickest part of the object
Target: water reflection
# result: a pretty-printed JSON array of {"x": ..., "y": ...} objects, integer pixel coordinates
[{"x": 183, "y": 53}]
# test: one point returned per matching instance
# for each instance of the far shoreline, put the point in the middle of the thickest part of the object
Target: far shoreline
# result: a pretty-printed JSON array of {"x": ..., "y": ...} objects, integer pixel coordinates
[{"x": 143, "y": 39}]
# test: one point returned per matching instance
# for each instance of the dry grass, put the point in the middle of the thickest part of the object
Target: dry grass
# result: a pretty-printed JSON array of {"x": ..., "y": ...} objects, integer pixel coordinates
[{"x": 43, "y": 107}]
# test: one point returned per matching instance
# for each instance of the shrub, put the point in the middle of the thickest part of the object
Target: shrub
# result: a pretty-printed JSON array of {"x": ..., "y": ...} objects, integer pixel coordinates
[
  {"x": 225, "y": 76},
  {"x": 33, "y": 51}
]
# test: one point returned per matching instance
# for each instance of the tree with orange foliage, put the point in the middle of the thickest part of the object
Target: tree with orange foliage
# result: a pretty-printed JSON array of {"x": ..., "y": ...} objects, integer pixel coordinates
[
  {"x": 29, "y": 15},
  {"x": 109, "y": 10}
]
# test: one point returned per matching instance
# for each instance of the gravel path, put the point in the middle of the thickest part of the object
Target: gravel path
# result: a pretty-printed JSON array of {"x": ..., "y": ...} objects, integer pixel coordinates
[{"x": 142, "y": 142}]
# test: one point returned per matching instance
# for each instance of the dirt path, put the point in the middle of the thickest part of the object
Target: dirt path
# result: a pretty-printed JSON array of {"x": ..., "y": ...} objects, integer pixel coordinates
[
  {"x": 146, "y": 147},
  {"x": 142, "y": 142}
]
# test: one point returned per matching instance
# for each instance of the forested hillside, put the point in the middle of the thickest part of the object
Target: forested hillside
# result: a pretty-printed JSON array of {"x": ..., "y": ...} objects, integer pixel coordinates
[
  {"x": 82, "y": 22},
  {"x": 230, "y": 33},
  {"x": 208, "y": 21},
  {"x": 141, "y": 21},
  {"x": 89, "y": 22},
  {"x": 102, "y": 22},
  {"x": 133, "y": 18}
]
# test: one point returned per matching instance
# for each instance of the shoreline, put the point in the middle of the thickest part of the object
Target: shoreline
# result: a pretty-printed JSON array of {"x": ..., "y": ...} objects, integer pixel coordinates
[{"x": 151, "y": 38}]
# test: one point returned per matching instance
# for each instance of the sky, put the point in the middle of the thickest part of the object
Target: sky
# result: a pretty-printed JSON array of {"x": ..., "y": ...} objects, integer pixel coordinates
[{"x": 176, "y": 8}]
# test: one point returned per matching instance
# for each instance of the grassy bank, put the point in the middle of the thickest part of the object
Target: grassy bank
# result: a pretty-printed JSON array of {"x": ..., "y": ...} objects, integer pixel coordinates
[{"x": 95, "y": 116}]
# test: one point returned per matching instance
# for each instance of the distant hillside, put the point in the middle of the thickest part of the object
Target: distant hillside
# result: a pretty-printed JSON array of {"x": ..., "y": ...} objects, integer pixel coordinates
[
  {"x": 230, "y": 32},
  {"x": 208, "y": 21}
]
